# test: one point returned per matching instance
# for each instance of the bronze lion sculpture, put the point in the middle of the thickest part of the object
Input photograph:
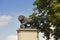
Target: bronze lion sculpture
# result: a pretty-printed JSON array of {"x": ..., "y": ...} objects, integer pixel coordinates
[{"x": 25, "y": 22}]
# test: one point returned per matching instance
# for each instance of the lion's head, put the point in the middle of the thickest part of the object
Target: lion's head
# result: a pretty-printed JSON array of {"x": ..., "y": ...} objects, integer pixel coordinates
[{"x": 21, "y": 18}]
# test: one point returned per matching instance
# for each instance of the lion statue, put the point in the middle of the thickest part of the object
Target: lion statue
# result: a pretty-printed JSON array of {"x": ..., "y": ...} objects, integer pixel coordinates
[{"x": 25, "y": 22}]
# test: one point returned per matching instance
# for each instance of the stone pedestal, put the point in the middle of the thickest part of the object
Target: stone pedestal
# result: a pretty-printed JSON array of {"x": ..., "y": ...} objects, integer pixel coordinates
[{"x": 28, "y": 34}]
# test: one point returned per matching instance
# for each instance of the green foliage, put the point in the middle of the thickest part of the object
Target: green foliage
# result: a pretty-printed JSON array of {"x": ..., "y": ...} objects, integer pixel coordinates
[
  {"x": 48, "y": 11},
  {"x": 55, "y": 18},
  {"x": 35, "y": 18}
]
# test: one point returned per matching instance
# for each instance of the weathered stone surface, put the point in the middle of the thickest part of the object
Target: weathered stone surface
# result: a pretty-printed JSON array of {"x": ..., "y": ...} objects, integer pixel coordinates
[{"x": 27, "y": 34}]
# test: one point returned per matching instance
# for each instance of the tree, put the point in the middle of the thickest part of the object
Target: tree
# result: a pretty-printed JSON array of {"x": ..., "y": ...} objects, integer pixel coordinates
[{"x": 48, "y": 11}]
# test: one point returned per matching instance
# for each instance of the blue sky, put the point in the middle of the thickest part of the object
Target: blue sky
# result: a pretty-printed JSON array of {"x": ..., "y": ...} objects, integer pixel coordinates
[{"x": 9, "y": 12}]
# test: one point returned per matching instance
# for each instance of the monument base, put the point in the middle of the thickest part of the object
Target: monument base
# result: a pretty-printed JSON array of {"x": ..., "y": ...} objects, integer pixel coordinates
[{"x": 27, "y": 34}]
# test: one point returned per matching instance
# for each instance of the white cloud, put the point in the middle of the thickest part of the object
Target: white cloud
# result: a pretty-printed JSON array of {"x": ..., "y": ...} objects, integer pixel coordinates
[
  {"x": 41, "y": 37},
  {"x": 0, "y": 37},
  {"x": 52, "y": 27},
  {"x": 4, "y": 20},
  {"x": 11, "y": 37}
]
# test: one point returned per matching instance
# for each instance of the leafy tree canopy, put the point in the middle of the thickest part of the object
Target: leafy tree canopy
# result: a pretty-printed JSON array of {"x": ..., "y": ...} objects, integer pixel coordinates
[{"x": 47, "y": 11}]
